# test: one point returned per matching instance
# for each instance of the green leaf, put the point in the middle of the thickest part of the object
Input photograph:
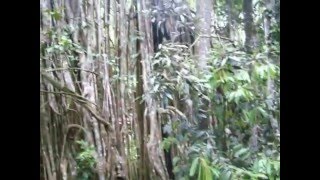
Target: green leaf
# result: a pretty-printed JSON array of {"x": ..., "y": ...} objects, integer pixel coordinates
[
  {"x": 262, "y": 164},
  {"x": 235, "y": 58},
  {"x": 241, "y": 151},
  {"x": 262, "y": 111},
  {"x": 50, "y": 50},
  {"x": 229, "y": 79},
  {"x": 215, "y": 172},
  {"x": 268, "y": 168},
  {"x": 208, "y": 173},
  {"x": 237, "y": 147},
  {"x": 176, "y": 169},
  {"x": 175, "y": 160},
  {"x": 248, "y": 95},
  {"x": 200, "y": 174},
  {"x": 224, "y": 61},
  {"x": 242, "y": 75},
  {"x": 276, "y": 165},
  {"x": 260, "y": 175},
  {"x": 226, "y": 175},
  {"x": 194, "y": 165},
  {"x": 245, "y": 155},
  {"x": 156, "y": 55},
  {"x": 56, "y": 15}
]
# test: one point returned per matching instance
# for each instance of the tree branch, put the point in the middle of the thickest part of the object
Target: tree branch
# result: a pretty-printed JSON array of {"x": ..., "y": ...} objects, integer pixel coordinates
[
  {"x": 81, "y": 100},
  {"x": 62, "y": 69}
]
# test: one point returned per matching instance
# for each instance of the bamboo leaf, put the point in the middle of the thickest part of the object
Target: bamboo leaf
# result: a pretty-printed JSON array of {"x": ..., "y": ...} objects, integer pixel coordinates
[
  {"x": 194, "y": 165},
  {"x": 200, "y": 174}
]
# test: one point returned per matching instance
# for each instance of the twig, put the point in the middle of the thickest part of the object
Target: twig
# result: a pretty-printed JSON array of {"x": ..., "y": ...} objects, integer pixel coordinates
[
  {"x": 224, "y": 38},
  {"x": 195, "y": 41},
  {"x": 173, "y": 109},
  {"x": 62, "y": 69},
  {"x": 205, "y": 36}
]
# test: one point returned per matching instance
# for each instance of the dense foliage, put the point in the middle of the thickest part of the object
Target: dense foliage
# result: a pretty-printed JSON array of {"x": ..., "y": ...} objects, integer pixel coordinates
[{"x": 99, "y": 85}]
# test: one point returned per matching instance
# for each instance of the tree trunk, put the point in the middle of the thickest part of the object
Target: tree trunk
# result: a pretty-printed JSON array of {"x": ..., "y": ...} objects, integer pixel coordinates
[
  {"x": 277, "y": 11},
  {"x": 204, "y": 9},
  {"x": 146, "y": 49},
  {"x": 230, "y": 26},
  {"x": 270, "y": 83},
  {"x": 249, "y": 28}
]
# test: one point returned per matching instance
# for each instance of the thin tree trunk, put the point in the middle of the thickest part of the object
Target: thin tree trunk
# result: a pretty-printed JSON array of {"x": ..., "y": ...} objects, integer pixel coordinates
[
  {"x": 123, "y": 76},
  {"x": 270, "y": 83},
  {"x": 203, "y": 29},
  {"x": 249, "y": 28},
  {"x": 143, "y": 160},
  {"x": 202, "y": 48},
  {"x": 267, "y": 20},
  {"x": 230, "y": 26},
  {"x": 277, "y": 11}
]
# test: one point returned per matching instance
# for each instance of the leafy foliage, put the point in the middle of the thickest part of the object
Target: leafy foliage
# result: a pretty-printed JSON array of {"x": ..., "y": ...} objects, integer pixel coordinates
[
  {"x": 242, "y": 105},
  {"x": 85, "y": 161}
]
